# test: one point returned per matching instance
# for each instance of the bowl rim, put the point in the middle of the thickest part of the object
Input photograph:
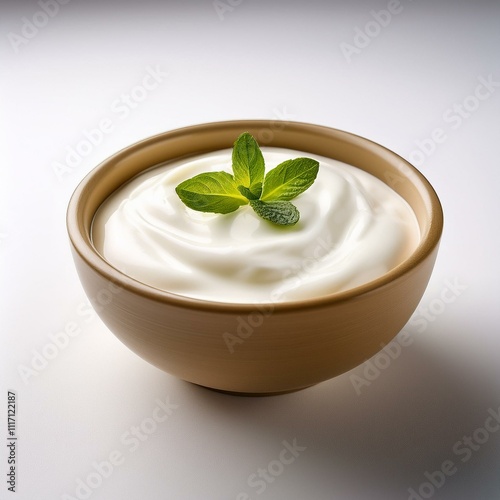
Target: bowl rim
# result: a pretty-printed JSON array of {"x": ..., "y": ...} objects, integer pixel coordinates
[{"x": 82, "y": 243}]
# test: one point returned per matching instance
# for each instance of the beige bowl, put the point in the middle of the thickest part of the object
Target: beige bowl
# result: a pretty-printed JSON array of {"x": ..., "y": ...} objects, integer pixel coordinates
[{"x": 279, "y": 347}]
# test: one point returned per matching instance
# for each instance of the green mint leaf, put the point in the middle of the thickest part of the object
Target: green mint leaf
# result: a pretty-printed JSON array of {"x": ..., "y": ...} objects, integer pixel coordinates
[
  {"x": 220, "y": 192},
  {"x": 248, "y": 163},
  {"x": 289, "y": 179},
  {"x": 247, "y": 193},
  {"x": 211, "y": 192},
  {"x": 283, "y": 213}
]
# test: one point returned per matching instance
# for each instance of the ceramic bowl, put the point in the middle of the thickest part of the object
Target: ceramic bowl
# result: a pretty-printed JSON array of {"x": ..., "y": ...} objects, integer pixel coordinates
[{"x": 285, "y": 346}]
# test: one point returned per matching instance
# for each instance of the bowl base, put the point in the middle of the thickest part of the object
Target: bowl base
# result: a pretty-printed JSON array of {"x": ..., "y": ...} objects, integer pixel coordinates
[{"x": 253, "y": 394}]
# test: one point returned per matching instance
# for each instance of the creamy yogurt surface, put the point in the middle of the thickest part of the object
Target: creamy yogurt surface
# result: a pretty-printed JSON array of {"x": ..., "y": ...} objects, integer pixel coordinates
[{"x": 353, "y": 228}]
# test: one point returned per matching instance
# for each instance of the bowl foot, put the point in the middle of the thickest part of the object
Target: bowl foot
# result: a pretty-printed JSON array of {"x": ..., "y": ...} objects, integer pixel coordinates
[{"x": 253, "y": 394}]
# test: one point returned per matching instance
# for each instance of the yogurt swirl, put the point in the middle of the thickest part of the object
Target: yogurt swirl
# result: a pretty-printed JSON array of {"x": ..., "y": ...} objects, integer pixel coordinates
[{"x": 353, "y": 228}]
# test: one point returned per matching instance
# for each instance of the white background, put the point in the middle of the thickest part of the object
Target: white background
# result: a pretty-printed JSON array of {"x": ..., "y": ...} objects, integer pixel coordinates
[{"x": 373, "y": 439}]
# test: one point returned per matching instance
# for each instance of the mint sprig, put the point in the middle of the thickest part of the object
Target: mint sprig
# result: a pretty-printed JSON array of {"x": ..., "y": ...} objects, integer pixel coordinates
[{"x": 269, "y": 195}]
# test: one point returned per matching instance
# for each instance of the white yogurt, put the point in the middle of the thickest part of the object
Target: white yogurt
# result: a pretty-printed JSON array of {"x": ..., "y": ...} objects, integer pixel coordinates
[{"x": 353, "y": 228}]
